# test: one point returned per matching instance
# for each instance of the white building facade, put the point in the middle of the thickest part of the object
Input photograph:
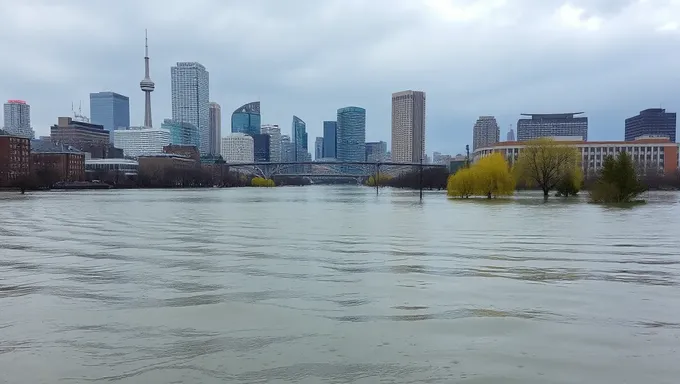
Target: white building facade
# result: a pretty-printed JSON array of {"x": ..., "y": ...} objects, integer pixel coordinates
[
  {"x": 238, "y": 148},
  {"x": 138, "y": 141},
  {"x": 274, "y": 133},
  {"x": 191, "y": 99},
  {"x": 17, "y": 118},
  {"x": 408, "y": 127}
]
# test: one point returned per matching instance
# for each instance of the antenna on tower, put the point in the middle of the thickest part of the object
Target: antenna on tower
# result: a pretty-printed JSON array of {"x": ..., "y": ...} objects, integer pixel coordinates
[{"x": 146, "y": 43}]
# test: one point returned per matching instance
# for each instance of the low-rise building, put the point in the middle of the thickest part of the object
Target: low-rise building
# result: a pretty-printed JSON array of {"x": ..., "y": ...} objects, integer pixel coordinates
[
  {"x": 652, "y": 156},
  {"x": 66, "y": 163},
  {"x": 127, "y": 167},
  {"x": 190, "y": 151},
  {"x": 138, "y": 141},
  {"x": 15, "y": 158}
]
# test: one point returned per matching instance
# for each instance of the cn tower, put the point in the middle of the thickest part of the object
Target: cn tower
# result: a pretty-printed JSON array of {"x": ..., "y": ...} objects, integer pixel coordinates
[{"x": 147, "y": 85}]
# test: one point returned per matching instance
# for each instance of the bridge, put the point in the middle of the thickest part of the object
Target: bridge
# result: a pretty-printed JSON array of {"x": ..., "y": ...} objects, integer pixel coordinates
[{"x": 329, "y": 169}]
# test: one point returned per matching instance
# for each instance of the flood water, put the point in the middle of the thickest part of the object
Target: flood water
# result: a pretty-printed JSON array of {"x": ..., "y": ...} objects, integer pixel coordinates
[{"x": 335, "y": 284}]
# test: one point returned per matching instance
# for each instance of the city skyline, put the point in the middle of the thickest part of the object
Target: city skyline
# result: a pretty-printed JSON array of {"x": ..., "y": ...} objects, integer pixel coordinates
[{"x": 599, "y": 83}]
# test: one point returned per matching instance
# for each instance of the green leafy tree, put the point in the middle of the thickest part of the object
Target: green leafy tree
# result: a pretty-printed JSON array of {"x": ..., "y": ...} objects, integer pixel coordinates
[
  {"x": 618, "y": 181},
  {"x": 545, "y": 163},
  {"x": 570, "y": 183},
  {"x": 462, "y": 183},
  {"x": 492, "y": 176}
]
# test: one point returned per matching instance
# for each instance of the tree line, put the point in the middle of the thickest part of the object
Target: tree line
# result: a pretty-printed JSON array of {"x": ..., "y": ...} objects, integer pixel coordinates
[{"x": 549, "y": 166}]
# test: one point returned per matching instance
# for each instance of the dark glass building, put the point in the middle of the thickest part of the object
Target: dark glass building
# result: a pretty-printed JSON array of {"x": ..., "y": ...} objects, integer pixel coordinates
[
  {"x": 300, "y": 140},
  {"x": 247, "y": 119},
  {"x": 330, "y": 139},
  {"x": 651, "y": 122},
  {"x": 261, "y": 146},
  {"x": 551, "y": 125},
  {"x": 111, "y": 110},
  {"x": 351, "y": 134}
]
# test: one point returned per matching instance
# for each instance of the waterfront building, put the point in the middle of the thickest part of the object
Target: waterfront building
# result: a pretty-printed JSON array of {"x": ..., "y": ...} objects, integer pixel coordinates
[
  {"x": 300, "y": 139},
  {"x": 127, "y": 167},
  {"x": 191, "y": 99},
  {"x": 138, "y": 141},
  {"x": 67, "y": 164},
  {"x": 485, "y": 132},
  {"x": 261, "y": 147},
  {"x": 247, "y": 119},
  {"x": 156, "y": 167},
  {"x": 554, "y": 124},
  {"x": 287, "y": 150},
  {"x": 238, "y": 148},
  {"x": 17, "y": 119},
  {"x": 215, "y": 124},
  {"x": 376, "y": 151},
  {"x": 188, "y": 151},
  {"x": 408, "y": 126},
  {"x": 110, "y": 110},
  {"x": 15, "y": 157},
  {"x": 330, "y": 139},
  {"x": 182, "y": 133},
  {"x": 651, "y": 156},
  {"x": 351, "y": 134},
  {"x": 318, "y": 148},
  {"x": 147, "y": 86},
  {"x": 274, "y": 133},
  {"x": 652, "y": 122},
  {"x": 78, "y": 134}
]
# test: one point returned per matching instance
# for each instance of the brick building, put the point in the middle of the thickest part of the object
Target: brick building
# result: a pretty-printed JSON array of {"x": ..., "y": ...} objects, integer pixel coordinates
[
  {"x": 66, "y": 164},
  {"x": 15, "y": 158}
]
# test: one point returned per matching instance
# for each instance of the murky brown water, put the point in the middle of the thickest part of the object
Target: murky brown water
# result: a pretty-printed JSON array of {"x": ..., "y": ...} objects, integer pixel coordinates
[{"x": 334, "y": 284}]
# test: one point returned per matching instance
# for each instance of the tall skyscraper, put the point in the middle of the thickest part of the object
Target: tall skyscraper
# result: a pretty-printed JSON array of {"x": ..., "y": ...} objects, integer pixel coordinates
[
  {"x": 485, "y": 133},
  {"x": 318, "y": 148},
  {"x": 146, "y": 85},
  {"x": 246, "y": 119},
  {"x": 215, "y": 124},
  {"x": 261, "y": 147},
  {"x": 191, "y": 99},
  {"x": 287, "y": 150},
  {"x": 274, "y": 133},
  {"x": 300, "y": 140},
  {"x": 511, "y": 135},
  {"x": 376, "y": 152},
  {"x": 652, "y": 122},
  {"x": 330, "y": 139},
  {"x": 17, "y": 118},
  {"x": 551, "y": 125},
  {"x": 408, "y": 126},
  {"x": 351, "y": 134},
  {"x": 110, "y": 109}
]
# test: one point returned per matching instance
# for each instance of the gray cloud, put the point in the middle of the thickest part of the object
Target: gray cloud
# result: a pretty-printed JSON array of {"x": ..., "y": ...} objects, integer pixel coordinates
[{"x": 307, "y": 57}]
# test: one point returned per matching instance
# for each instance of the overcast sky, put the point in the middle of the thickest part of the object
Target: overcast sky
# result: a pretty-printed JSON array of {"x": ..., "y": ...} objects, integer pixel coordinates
[{"x": 608, "y": 58}]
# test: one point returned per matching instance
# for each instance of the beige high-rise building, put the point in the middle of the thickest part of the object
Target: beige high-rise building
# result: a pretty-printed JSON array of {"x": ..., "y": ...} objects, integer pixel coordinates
[
  {"x": 485, "y": 133},
  {"x": 215, "y": 124},
  {"x": 408, "y": 127}
]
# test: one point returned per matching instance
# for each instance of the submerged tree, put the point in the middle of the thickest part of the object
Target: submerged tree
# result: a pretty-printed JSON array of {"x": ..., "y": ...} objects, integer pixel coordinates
[
  {"x": 545, "y": 163},
  {"x": 489, "y": 177},
  {"x": 461, "y": 184},
  {"x": 618, "y": 181},
  {"x": 570, "y": 183},
  {"x": 492, "y": 176}
]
